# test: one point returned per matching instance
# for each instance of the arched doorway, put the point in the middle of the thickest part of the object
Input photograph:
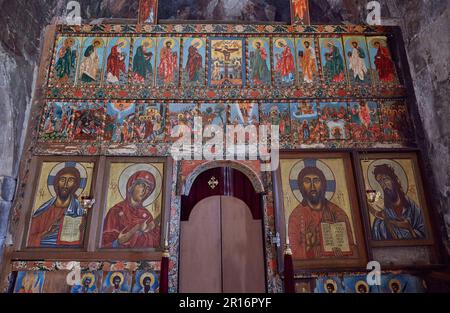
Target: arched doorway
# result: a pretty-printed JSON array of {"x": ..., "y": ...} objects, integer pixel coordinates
[{"x": 221, "y": 235}]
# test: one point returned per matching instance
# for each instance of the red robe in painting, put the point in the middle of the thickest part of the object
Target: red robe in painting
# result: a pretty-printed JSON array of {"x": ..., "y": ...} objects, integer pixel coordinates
[
  {"x": 305, "y": 232},
  {"x": 42, "y": 224},
  {"x": 385, "y": 66},
  {"x": 286, "y": 64},
  {"x": 47, "y": 224},
  {"x": 300, "y": 8},
  {"x": 116, "y": 64},
  {"x": 122, "y": 217},
  {"x": 168, "y": 65},
  {"x": 146, "y": 8},
  {"x": 194, "y": 63}
]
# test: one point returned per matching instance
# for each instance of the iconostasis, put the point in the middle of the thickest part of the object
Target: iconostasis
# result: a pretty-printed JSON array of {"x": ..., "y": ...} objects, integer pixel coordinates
[{"x": 101, "y": 130}]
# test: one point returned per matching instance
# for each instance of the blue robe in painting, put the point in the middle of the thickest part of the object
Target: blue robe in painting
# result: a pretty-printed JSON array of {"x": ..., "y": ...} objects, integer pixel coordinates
[{"x": 411, "y": 212}]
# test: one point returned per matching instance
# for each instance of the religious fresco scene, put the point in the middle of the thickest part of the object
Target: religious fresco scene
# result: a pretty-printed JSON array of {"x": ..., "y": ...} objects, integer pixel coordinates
[
  {"x": 225, "y": 10},
  {"x": 148, "y": 138}
]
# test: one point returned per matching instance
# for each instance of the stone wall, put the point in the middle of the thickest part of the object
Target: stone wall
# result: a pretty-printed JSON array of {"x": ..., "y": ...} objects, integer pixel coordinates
[{"x": 425, "y": 28}]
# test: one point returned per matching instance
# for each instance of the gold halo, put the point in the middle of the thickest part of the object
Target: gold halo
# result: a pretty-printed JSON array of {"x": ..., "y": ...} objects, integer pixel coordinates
[
  {"x": 197, "y": 40},
  {"x": 149, "y": 275},
  {"x": 147, "y": 42},
  {"x": 88, "y": 275},
  {"x": 278, "y": 41},
  {"x": 307, "y": 40},
  {"x": 255, "y": 41},
  {"x": 169, "y": 40},
  {"x": 359, "y": 283},
  {"x": 393, "y": 281},
  {"x": 121, "y": 40},
  {"x": 330, "y": 281},
  {"x": 100, "y": 40},
  {"x": 351, "y": 41},
  {"x": 381, "y": 41},
  {"x": 114, "y": 275}
]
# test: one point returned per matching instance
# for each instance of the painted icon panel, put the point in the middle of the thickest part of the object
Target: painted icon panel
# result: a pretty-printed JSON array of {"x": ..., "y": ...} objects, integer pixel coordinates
[
  {"x": 395, "y": 200},
  {"x": 148, "y": 10},
  {"x": 395, "y": 122},
  {"x": 133, "y": 206},
  {"x": 225, "y": 11},
  {"x": 227, "y": 62},
  {"x": 277, "y": 114},
  {"x": 92, "y": 60},
  {"x": 333, "y": 63},
  {"x": 323, "y": 224},
  {"x": 58, "y": 219},
  {"x": 117, "y": 60},
  {"x": 357, "y": 56},
  {"x": 334, "y": 117},
  {"x": 307, "y": 65},
  {"x": 90, "y": 282},
  {"x": 117, "y": 282},
  {"x": 284, "y": 61},
  {"x": 151, "y": 123},
  {"x": 88, "y": 121},
  {"x": 57, "y": 122},
  {"x": 381, "y": 60},
  {"x": 143, "y": 65},
  {"x": 259, "y": 58},
  {"x": 305, "y": 122},
  {"x": 29, "y": 282},
  {"x": 243, "y": 114},
  {"x": 365, "y": 121},
  {"x": 168, "y": 61},
  {"x": 194, "y": 61},
  {"x": 119, "y": 122},
  {"x": 181, "y": 114},
  {"x": 66, "y": 59},
  {"x": 214, "y": 113},
  {"x": 146, "y": 282},
  {"x": 300, "y": 12}
]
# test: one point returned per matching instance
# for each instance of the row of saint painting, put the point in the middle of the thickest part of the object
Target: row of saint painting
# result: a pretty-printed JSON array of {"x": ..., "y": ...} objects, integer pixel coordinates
[
  {"x": 311, "y": 122},
  {"x": 389, "y": 283},
  {"x": 140, "y": 281},
  {"x": 319, "y": 196},
  {"x": 147, "y": 282},
  {"x": 193, "y": 61}
]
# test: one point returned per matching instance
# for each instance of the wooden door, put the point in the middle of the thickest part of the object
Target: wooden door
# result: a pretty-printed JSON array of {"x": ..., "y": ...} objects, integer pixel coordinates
[
  {"x": 242, "y": 249},
  {"x": 221, "y": 248},
  {"x": 200, "y": 249}
]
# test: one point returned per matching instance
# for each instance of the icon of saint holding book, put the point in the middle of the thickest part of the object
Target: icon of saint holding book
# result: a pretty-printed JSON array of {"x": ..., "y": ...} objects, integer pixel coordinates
[
  {"x": 60, "y": 221},
  {"x": 318, "y": 228}
]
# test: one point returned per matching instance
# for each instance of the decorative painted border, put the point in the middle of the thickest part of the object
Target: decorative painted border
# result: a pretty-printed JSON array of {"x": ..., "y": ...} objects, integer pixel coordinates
[
  {"x": 221, "y": 29},
  {"x": 50, "y": 266}
]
